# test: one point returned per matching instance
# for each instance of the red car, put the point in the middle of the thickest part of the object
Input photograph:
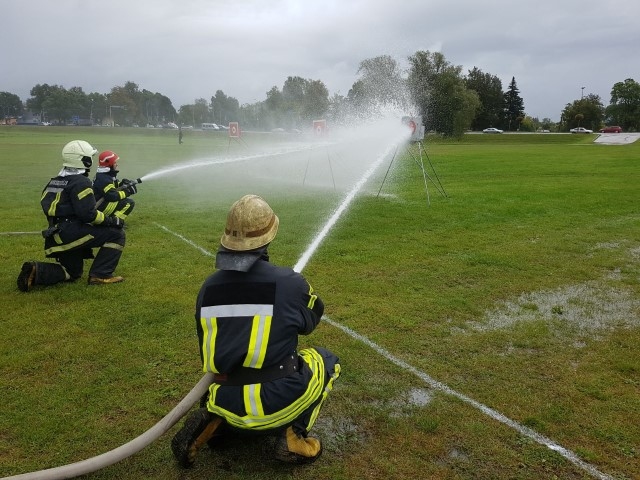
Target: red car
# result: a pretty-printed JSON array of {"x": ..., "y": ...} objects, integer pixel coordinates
[{"x": 613, "y": 129}]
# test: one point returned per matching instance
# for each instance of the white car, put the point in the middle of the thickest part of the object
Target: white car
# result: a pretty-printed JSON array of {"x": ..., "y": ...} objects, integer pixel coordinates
[
  {"x": 580, "y": 130},
  {"x": 491, "y": 130}
]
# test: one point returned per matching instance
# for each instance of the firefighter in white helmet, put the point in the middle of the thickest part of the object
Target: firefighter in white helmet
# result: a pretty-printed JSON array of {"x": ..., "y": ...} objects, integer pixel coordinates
[
  {"x": 113, "y": 195},
  {"x": 76, "y": 226},
  {"x": 248, "y": 317}
]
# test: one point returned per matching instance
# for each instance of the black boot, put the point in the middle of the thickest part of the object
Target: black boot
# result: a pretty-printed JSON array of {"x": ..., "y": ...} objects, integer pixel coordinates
[
  {"x": 197, "y": 430},
  {"x": 40, "y": 273},
  {"x": 27, "y": 276}
]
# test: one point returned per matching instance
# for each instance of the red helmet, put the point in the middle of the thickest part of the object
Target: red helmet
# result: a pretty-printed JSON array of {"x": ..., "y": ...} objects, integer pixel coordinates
[{"x": 108, "y": 159}]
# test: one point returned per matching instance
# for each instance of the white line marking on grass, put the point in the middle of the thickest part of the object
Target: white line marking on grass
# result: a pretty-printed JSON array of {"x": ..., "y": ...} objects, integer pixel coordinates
[
  {"x": 526, "y": 431},
  {"x": 194, "y": 245},
  {"x": 21, "y": 233}
]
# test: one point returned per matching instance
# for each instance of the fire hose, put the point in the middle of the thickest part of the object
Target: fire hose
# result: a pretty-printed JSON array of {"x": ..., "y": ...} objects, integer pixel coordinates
[
  {"x": 122, "y": 187},
  {"x": 134, "y": 446}
]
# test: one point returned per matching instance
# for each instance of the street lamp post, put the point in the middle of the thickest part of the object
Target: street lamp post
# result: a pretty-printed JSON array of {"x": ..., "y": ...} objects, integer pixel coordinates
[
  {"x": 582, "y": 94},
  {"x": 110, "y": 114}
]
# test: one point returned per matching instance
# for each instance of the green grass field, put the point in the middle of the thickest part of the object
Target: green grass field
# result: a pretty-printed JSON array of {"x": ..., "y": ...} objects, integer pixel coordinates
[{"x": 520, "y": 290}]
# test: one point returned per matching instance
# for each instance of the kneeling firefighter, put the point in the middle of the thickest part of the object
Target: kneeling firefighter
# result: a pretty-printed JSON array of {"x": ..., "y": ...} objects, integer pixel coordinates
[
  {"x": 249, "y": 314},
  {"x": 75, "y": 227},
  {"x": 113, "y": 195}
]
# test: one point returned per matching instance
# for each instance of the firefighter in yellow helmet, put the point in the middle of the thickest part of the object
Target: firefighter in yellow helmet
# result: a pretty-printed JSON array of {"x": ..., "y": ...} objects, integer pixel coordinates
[
  {"x": 76, "y": 226},
  {"x": 249, "y": 314}
]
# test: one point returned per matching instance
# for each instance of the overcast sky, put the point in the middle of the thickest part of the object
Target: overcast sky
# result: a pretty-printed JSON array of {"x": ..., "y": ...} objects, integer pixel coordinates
[{"x": 188, "y": 49}]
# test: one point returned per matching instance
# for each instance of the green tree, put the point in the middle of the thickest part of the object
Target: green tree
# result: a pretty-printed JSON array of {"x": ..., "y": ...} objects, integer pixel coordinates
[
  {"x": 10, "y": 105},
  {"x": 438, "y": 89},
  {"x": 624, "y": 107},
  {"x": 271, "y": 112},
  {"x": 39, "y": 94},
  {"x": 59, "y": 105},
  {"x": 224, "y": 109},
  {"x": 585, "y": 112},
  {"x": 338, "y": 109},
  {"x": 300, "y": 101},
  {"x": 357, "y": 97},
  {"x": 382, "y": 83},
  {"x": 316, "y": 100},
  {"x": 97, "y": 103},
  {"x": 200, "y": 111},
  {"x": 122, "y": 104},
  {"x": 513, "y": 106},
  {"x": 489, "y": 89}
]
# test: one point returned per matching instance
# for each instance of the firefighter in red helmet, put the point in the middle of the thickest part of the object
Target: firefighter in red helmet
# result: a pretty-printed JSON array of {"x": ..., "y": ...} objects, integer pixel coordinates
[
  {"x": 113, "y": 195},
  {"x": 249, "y": 314}
]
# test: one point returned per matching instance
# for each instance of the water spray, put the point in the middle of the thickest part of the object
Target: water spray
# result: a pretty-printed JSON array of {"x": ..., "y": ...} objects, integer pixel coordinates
[{"x": 118, "y": 454}]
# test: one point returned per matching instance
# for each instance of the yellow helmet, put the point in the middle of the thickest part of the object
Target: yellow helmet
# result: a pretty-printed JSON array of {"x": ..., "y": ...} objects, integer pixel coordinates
[{"x": 251, "y": 224}]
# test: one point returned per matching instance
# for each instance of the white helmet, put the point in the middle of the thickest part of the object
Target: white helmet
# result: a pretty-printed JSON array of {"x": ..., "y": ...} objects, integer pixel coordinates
[{"x": 77, "y": 154}]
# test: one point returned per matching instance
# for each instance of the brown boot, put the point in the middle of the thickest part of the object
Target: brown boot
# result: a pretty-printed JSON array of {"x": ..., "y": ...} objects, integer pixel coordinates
[
  {"x": 294, "y": 448},
  {"x": 196, "y": 431},
  {"x": 104, "y": 281}
]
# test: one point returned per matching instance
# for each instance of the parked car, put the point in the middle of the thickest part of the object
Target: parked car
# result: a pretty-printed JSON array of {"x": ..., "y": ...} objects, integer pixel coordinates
[
  {"x": 491, "y": 130},
  {"x": 611, "y": 129},
  {"x": 580, "y": 130}
]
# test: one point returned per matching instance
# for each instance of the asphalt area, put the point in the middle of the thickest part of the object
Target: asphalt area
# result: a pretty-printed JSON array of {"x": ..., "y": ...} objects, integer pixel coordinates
[{"x": 617, "y": 138}]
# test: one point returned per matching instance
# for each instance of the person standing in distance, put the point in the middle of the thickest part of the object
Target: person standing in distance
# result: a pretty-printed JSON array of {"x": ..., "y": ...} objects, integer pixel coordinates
[
  {"x": 249, "y": 314},
  {"x": 76, "y": 226}
]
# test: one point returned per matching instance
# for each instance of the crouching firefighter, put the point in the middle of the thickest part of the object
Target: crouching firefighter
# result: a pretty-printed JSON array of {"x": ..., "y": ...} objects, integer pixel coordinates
[
  {"x": 113, "y": 195},
  {"x": 76, "y": 226},
  {"x": 249, "y": 314}
]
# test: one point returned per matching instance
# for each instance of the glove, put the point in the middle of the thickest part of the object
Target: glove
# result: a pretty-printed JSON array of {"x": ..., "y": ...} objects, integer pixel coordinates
[
  {"x": 113, "y": 222},
  {"x": 130, "y": 189}
]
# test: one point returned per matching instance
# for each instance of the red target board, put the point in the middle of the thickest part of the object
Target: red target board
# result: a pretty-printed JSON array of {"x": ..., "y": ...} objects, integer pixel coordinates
[
  {"x": 234, "y": 130},
  {"x": 319, "y": 127}
]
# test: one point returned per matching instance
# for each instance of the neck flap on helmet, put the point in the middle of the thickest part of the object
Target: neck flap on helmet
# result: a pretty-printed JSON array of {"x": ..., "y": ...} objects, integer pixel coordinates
[{"x": 239, "y": 261}]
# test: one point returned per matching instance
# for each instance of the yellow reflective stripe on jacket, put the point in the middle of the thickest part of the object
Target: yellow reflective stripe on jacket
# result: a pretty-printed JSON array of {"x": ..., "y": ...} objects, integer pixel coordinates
[
  {"x": 260, "y": 329},
  {"x": 252, "y": 401},
  {"x": 282, "y": 417},
  {"x": 210, "y": 330},
  {"x": 84, "y": 193},
  {"x": 328, "y": 388},
  {"x": 52, "y": 208},
  {"x": 68, "y": 246},
  {"x": 312, "y": 298},
  {"x": 111, "y": 206}
]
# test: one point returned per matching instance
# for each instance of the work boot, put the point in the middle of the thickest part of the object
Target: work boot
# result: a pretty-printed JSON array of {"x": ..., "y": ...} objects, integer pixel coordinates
[
  {"x": 104, "y": 280},
  {"x": 293, "y": 448},
  {"x": 196, "y": 431},
  {"x": 27, "y": 277}
]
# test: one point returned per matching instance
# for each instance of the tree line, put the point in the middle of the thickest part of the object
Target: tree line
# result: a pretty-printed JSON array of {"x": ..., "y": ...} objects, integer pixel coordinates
[{"x": 449, "y": 101}]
